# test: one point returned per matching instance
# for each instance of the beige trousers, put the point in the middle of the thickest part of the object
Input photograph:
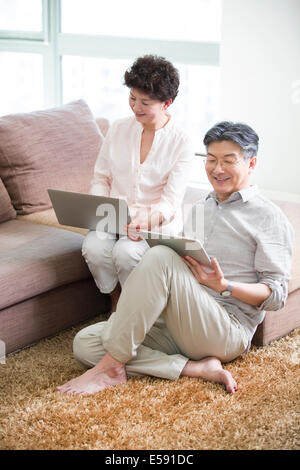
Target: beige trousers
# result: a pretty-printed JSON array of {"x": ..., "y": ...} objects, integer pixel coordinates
[{"x": 164, "y": 317}]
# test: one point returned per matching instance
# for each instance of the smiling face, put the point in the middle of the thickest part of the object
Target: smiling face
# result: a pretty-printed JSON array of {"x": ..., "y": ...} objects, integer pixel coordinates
[
  {"x": 148, "y": 111},
  {"x": 227, "y": 169}
]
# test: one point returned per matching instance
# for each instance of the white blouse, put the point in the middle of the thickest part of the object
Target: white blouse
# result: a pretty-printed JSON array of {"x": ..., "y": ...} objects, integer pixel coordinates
[{"x": 159, "y": 182}]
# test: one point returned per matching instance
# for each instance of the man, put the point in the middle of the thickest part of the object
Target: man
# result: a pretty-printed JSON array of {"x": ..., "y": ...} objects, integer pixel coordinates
[{"x": 174, "y": 318}]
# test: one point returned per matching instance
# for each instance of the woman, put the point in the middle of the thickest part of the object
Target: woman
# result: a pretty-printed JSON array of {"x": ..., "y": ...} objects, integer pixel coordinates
[{"x": 146, "y": 160}]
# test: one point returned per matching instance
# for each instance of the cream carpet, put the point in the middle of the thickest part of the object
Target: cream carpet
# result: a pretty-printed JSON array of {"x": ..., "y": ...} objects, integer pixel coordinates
[{"x": 149, "y": 413}]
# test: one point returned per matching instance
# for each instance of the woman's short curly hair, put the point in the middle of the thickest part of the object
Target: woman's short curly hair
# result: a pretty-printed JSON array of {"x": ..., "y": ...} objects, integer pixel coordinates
[{"x": 154, "y": 76}]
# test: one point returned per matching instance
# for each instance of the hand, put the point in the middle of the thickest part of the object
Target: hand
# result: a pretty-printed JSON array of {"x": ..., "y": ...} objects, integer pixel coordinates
[
  {"x": 133, "y": 229},
  {"x": 214, "y": 278},
  {"x": 148, "y": 223}
]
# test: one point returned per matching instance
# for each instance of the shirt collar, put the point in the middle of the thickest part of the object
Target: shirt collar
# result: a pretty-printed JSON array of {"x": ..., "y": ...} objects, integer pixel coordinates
[
  {"x": 249, "y": 193},
  {"x": 244, "y": 194}
]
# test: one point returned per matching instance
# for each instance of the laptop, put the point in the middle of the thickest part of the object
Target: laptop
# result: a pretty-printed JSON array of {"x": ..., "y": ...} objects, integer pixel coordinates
[
  {"x": 182, "y": 245},
  {"x": 105, "y": 214}
]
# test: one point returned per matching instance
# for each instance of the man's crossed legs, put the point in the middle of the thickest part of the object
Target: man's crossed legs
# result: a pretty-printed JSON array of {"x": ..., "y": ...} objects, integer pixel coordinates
[{"x": 166, "y": 325}]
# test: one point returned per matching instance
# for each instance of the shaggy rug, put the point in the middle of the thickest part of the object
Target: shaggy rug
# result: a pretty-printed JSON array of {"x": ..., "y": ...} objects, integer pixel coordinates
[{"x": 149, "y": 413}]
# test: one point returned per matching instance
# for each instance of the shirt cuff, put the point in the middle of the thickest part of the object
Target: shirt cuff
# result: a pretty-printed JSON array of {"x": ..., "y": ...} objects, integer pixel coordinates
[
  {"x": 99, "y": 190},
  {"x": 278, "y": 296}
]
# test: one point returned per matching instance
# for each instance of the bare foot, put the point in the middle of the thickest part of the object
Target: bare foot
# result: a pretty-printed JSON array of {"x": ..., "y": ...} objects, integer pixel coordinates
[
  {"x": 210, "y": 369},
  {"x": 107, "y": 373},
  {"x": 114, "y": 297}
]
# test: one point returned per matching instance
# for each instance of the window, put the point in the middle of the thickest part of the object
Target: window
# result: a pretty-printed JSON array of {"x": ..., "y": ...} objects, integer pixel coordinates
[
  {"x": 21, "y": 56},
  {"x": 99, "y": 82},
  {"x": 21, "y": 15},
  {"x": 55, "y": 51},
  {"x": 194, "y": 20},
  {"x": 22, "y": 74}
]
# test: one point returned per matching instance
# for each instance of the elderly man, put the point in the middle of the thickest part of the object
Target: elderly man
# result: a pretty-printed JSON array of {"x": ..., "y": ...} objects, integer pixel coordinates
[{"x": 176, "y": 319}]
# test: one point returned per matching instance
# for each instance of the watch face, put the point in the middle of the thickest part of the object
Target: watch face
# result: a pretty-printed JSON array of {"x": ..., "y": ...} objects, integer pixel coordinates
[{"x": 226, "y": 293}]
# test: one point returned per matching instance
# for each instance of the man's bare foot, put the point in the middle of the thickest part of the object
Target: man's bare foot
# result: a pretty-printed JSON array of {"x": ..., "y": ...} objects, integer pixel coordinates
[
  {"x": 107, "y": 373},
  {"x": 210, "y": 369},
  {"x": 114, "y": 297}
]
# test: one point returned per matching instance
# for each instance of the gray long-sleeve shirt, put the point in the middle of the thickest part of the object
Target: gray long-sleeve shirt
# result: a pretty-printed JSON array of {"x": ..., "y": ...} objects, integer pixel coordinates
[{"x": 252, "y": 240}]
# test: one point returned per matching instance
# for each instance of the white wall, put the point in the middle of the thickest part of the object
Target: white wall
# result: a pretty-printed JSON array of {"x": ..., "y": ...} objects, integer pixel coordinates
[{"x": 260, "y": 85}]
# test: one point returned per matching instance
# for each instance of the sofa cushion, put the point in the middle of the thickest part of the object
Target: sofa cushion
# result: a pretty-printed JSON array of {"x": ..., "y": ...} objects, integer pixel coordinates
[
  {"x": 7, "y": 211},
  {"x": 55, "y": 148},
  {"x": 36, "y": 258}
]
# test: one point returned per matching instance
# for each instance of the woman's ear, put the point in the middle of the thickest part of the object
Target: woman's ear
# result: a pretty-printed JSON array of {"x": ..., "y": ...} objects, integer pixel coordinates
[{"x": 167, "y": 104}]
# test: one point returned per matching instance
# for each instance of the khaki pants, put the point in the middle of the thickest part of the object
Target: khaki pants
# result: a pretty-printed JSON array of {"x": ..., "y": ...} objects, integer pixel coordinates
[{"x": 164, "y": 317}]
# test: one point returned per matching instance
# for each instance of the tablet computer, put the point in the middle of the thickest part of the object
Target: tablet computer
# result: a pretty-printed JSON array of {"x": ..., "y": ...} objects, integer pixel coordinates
[
  {"x": 182, "y": 245},
  {"x": 89, "y": 211}
]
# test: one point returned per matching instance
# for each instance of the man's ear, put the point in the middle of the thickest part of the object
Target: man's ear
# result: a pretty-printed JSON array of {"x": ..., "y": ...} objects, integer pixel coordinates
[{"x": 252, "y": 164}]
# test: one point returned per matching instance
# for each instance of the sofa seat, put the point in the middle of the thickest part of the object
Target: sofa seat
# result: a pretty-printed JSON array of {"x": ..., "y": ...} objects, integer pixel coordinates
[
  {"x": 44, "y": 258},
  {"x": 48, "y": 217}
]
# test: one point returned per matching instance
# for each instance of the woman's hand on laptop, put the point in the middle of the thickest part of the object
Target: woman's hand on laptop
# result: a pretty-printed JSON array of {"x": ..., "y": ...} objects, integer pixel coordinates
[
  {"x": 134, "y": 228},
  {"x": 149, "y": 222}
]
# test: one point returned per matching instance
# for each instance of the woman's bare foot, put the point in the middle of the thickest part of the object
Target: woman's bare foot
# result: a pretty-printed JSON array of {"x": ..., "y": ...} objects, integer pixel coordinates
[
  {"x": 210, "y": 369},
  {"x": 107, "y": 373},
  {"x": 114, "y": 297}
]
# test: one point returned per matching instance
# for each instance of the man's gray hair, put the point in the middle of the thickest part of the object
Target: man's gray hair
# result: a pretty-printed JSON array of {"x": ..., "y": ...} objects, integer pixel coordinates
[{"x": 240, "y": 133}]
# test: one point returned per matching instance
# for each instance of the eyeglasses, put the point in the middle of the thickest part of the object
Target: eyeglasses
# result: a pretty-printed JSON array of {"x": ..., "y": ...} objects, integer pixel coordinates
[{"x": 211, "y": 162}]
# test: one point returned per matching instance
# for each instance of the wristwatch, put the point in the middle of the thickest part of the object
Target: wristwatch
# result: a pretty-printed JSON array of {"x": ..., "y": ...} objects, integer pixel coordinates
[{"x": 227, "y": 292}]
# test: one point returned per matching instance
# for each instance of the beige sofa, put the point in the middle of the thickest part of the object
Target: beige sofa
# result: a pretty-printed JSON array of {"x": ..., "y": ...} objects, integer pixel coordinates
[{"x": 44, "y": 281}]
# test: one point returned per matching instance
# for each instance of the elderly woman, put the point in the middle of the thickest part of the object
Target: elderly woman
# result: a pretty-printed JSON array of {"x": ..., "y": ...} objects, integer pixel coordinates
[{"x": 145, "y": 159}]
